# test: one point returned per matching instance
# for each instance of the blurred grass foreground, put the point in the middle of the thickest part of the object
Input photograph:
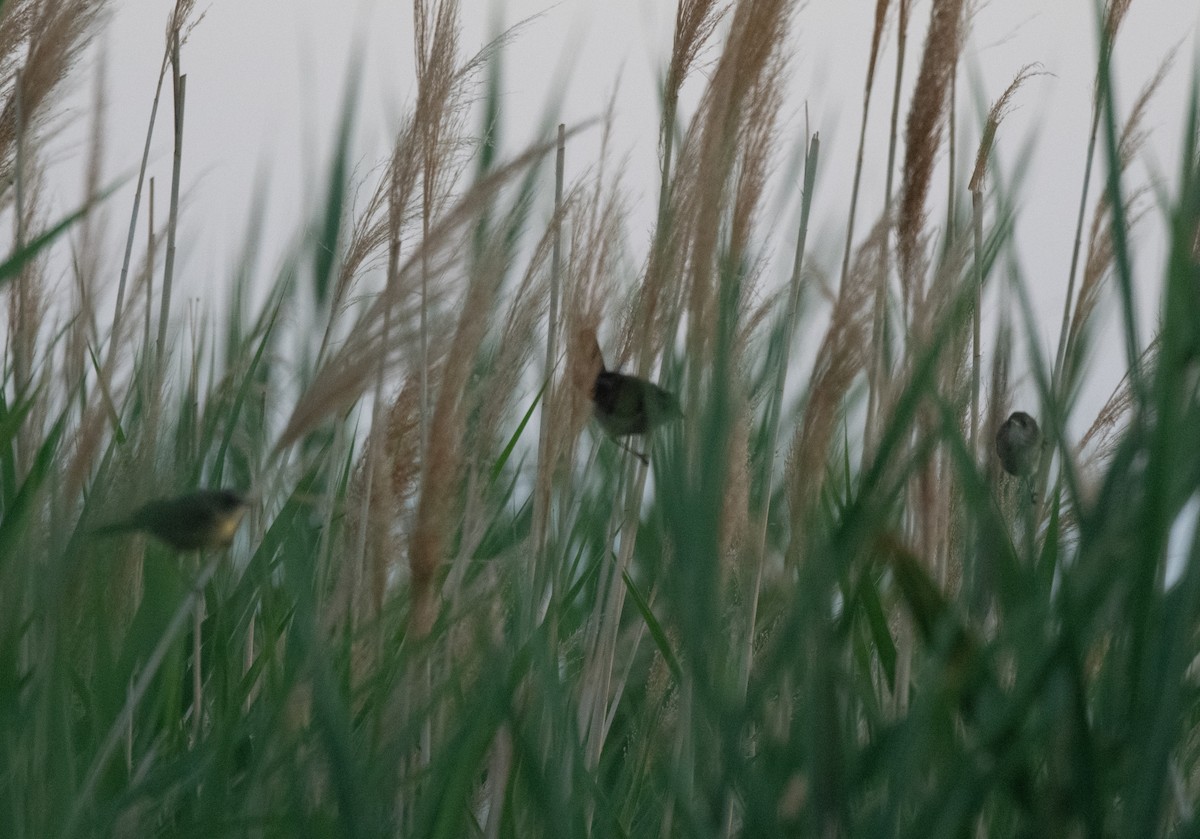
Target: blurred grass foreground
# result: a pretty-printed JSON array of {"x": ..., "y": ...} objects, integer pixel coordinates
[{"x": 455, "y": 608}]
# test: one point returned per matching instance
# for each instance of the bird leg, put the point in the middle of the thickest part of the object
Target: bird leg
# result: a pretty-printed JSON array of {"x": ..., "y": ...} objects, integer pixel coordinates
[{"x": 645, "y": 460}]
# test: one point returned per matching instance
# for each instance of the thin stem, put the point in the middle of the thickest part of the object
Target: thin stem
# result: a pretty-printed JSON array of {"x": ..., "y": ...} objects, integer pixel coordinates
[
  {"x": 904, "y": 639},
  {"x": 20, "y": 352},
  {"x": 976, "y": 352},
  {"x": 774, "y": 409},
  {"x": 880, "y": 321},
  {"x": 180, "y": 88},
  {"x": 544, "y": 481},
  {"x": 858, "y": 167},
  {"x": 952, "y": 146},
  {"x": 150, "y": 251},
  {"x": 133, "y": 215},
  {"x": 197, "y": 675},
  {"x": 1058, "y": 384}
]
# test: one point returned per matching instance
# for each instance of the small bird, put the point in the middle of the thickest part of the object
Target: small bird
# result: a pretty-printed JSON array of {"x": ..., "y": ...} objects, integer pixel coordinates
[
  {"x": 627, "y": 405},
  {"x": 196, "y": 521},
  {"x": 1019, "y": 445}
]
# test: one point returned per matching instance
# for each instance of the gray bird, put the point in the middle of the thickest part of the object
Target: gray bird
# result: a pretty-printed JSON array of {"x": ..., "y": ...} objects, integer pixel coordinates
[
  {"x": 627, "y": 405},
  {"x": 1019, "y": 445},
  {"x": 196, "y": 521}
]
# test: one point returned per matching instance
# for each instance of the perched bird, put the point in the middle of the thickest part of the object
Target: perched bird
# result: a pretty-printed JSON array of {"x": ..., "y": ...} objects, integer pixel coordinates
[
  {"x": 627, "y": 405},
  {"x": 196, "y": 521},
  {"x": 1019, "y": 445}
]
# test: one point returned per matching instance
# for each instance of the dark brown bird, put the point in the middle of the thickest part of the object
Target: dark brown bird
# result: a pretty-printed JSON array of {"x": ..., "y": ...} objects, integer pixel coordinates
[
  {"x": 627, "y": 405},
  {"x": 1019, "y": 445},
  {"x": 196, "y": 521}
]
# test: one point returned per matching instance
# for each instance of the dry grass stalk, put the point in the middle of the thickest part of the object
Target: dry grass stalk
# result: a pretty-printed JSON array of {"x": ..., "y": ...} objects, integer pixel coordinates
[
  {"x": 975, "y": 186},
  {"x": 363, "y": 353},
  {"x": 1100, "y": 440},
  {"x": 179, "y": 99},
  {"x": 441, "y": 91},
  {"x": 842, "y": 355},
  {"x": 758, "y": 142},
  {"x": 1134, "y": 134},
  {"x": 180, "y": 22},
  {"x": 759, "y": 136},
  {"x": 435, "y": 61},
  {"x": 49, "y": 36},
  {"x": 995, "y": 115},
  {"x": 1098, "y": 264},
  {"x": 594, "y": 257},
  {"x": 86, "y": 442},
  {"x": 16, "y": 18},
  {"x": 514, "y": 347},
  {"x": 1099, "y": 259},
  {"x": 382, "y": 223},
  {"x": 1098, "y": 444},
  {"x": 436, "y": 34},
  {"x": 881, "y": 10},
  {"x": 27, "y": 304},
  {"x": 658, "y": 303},
  {"x": 932, "y": 497},
  {"x": 955, "y": 377},
  {"x": 744, "y": 82},
  {"x": 178, "y": 30},
  {"x": 372, "y": 515},
  {"x": 373, "y": 229},
  {"x": 426, "y": 145},
  {"x": 879, "y": 383},
  {"x": 735, "y": 500},
  {"x": 586, "y": 282},
  {"x": 400, "y": 443},
  {"x": 491, "y": 398},
  {"x": 87, "y": 255},
  {"x": 27, "y": 311},
  {"x": 1000, "y": 398},
  {"x": 344, "y": 374},
  {"x": 926, "y": 121},
  {"x": 695, "y": 22},
  {"x": 434, "y": 520},
  {"x": 337, "y": 385},
  {"x": 39, "y": 43},
  {"x": 1114, "y": 16},
  {"x": 595, "y": 251},
  {"x": 773, "y": 395},
  {"x": 880, "y": 21},
  {"x": 427, "y": 546},
  {"x": 940, "y": 302},
  {"x": 545, "y": 468},
  {"x": 430, "y": 139}
]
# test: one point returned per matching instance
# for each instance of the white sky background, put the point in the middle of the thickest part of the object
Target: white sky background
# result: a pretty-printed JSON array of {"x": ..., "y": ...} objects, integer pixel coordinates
[{"x": 266, "y": 83}]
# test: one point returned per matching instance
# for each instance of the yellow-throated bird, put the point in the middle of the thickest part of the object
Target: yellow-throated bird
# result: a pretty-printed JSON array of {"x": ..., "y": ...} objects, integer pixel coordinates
[
  {"x": 627, "y": 405},
  {"x": 196, "y": 521}
]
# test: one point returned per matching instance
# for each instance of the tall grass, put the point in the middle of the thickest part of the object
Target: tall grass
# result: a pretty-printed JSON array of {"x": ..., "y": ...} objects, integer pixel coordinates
[{"x": 821, "y": 610}]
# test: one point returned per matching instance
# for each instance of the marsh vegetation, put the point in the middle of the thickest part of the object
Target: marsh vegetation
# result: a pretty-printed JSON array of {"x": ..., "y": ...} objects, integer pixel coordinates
[{"x": 455, "y": 608}]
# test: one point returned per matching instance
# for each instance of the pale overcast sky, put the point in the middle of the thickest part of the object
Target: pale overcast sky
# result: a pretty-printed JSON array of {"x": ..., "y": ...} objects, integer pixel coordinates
[{"x": 266, "y": 82}]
